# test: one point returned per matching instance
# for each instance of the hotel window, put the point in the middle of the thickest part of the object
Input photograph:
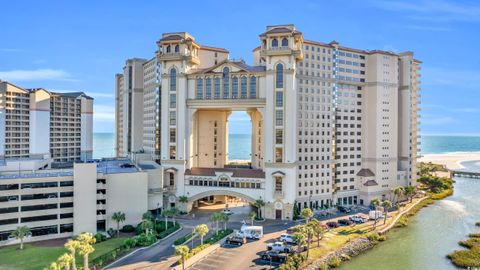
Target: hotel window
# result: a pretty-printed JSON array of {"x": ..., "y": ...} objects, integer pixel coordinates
[
  {"x": 235, "y": 87},
  {"x": 168, "y": 48},
  {"x": 253, "y": 87},
  {"x": 173, "y": 152},
  {"x": 173, "y": 79},
  {"x": 243, "y": 87},
  {"x": 274, "y": 43},
  {"x": 279, "y": 118},
  {"x": 177, "y": 48},
  {"x": 278, "y": 184},
  {"x": 278, "y": 155},
  {"x": 284, "y": 42},
  {"x": 279, "y": 79},
  {"x": 279, "y": 136},
  {"x": 173, "y": 118},
  {"x": 216, "y": 88},
  {"x": 199, "y": 88},
  {"x": 279, "y": 98},
  {"x": 226, "y": 82},
  {"x": 173, "y": 136},
  {"x": 208, "y": 88},
  {"x": 173, "y": 101}
]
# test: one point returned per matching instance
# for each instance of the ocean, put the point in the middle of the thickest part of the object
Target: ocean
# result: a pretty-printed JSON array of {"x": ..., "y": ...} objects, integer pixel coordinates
[{"x": 240, "y": 144}]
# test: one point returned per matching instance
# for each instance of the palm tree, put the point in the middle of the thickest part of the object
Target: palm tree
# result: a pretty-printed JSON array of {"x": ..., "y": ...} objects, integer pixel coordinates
[
  {"x": 386, "y": 205},
  {"x": 375, "y": 202},
  {"x": 118, "y": 217},
  {"x": 259, "y": 204},
  {"x": 173, "y": 211},
  {"x": 307, "y": 232},
  {"x": 397, "y": 192},
  {"x": 306, "y": 213},
  {"x": 86, "y": 241},
  {"x": 64, "y": 261},
  {"x": 409, "y": 192},
  {"x": 252, "y": 215},
  {"x": 216, "y": 217},
  {"x": 318, "y": 230},
  {"x": 201, "y": 230},
  {"x": 182, "y": 251},
  {"x": 147, "y": 215},
  {"x": 147, "y": 226},
  {"x": 72, "y": 246},
  {"x": 224, "y": 219},
  {"x": 20, "y": 233},
  {"x": 184, "y": 201}
]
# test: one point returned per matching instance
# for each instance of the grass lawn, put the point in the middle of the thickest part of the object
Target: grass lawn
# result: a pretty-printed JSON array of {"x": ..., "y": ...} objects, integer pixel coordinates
[{"x": 37, "y": 257}]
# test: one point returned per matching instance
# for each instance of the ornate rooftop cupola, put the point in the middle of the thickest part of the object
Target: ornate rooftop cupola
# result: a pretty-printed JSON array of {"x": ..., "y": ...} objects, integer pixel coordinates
[
  {"x": 281, "y": 40},
  {"x": 180, "y": 46}
]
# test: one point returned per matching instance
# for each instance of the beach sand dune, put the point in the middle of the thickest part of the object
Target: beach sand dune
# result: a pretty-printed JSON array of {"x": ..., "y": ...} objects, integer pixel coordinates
[{"x": 451, "y": 160}]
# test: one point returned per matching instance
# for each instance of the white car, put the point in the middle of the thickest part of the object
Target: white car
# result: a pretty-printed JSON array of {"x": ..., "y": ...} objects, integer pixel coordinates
[
  {"x": 287, "y": 238},
  {"x": 280, "y": 247}
]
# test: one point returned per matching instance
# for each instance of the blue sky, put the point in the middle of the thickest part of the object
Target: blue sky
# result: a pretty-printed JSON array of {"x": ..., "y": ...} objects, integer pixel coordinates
[{"x": 62, "y": 46}]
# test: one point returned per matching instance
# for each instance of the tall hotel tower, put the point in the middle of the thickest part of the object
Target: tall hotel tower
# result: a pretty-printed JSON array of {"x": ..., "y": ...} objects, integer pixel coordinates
[{"x": 330, "y": 124}]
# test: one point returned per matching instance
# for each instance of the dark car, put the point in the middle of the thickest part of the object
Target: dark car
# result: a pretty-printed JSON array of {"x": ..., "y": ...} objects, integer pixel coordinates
[
  {"x": 332, "y": 224},
  {"x": 345, "y": 222},
  {"x": 344, "y": 209},
  {"x": 236, "y": 240},
  {"x": 275, "y": 256}
]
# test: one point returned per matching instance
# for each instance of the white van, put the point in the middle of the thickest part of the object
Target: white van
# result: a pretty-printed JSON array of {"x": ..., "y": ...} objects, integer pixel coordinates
[{"x": 251, "y": 232}]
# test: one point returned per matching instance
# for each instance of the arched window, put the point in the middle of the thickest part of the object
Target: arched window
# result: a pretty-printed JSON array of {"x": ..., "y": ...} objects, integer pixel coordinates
[
  {"x": 226, "y": 82},
  {"x": 177, "y": 48},
  {"x": 173, "y": 79},
  {"x": 168, "y": 48},
  {"x": 253, "y": 87},
  {"x": 243, "y": 87},
  {"x": 284, "y": 42},
  {"x": 279, "y": 80},
  {"x": 208, "y": 88},
  {"x": 274, "y": 42},
  {"x": 234, "y": 87},
  {"x": 199, "y": 88}
]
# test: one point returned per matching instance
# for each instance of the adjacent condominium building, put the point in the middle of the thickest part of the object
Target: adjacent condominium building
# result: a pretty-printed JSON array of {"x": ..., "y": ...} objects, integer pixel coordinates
[
  {"x": 38, "y": 124},
  {"x": 330, "y": 124}
]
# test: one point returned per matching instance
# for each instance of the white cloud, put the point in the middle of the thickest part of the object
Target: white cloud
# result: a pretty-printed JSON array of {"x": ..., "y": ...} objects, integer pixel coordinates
[{"x": 36, "y": 75}]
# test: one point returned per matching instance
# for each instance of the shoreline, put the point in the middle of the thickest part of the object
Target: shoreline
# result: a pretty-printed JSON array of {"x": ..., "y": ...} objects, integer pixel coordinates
[{"x": 451, "y": 161}]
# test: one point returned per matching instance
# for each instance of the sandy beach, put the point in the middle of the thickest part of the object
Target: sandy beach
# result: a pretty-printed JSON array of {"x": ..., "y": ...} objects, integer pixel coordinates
[{"x": 452, "y": 160}]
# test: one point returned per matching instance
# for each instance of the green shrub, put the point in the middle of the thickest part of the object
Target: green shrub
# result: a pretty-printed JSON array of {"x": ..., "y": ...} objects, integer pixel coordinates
[
  {"x": 183, "y": 239},
  {"x": 474, "y": 235},
  {"x": 334, "y": 262},
  {"x": 144, "y": 240},
  {"x": 130, "y": 243},
  {"x": 161, "y": 225},
  {"x": 470, "y": 243},
  {"x": 127, "y": 229},
  {"x": 111, "y": 232},
  {"x": 323, "y": 267},
  {"x": 373, "y": 236},
  {"x": 216, "y": 237},
  {"x": 170, "y": 230},
  {"x": 477, "y": 223},
  {"x": 465, "y": 258},
  {"x": 100, "y": 237}
]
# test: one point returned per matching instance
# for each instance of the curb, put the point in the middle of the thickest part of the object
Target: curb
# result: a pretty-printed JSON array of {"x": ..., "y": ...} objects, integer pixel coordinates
[{"x": 142, "y": 248}]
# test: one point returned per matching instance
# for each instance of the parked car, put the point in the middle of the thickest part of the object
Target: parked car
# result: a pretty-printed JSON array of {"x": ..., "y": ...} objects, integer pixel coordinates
[
  {"x": 227, "y": 211},
  {"x": 236, "y": 240},
  {"x": 332, "y": 224},
  {"x": 344, "y": 209},
  {"x": 357, "y": 219},
  {"x": 345, "y": 222},
  {"x": 287, "y": 238},
  {"x": 280, "y": 247},
  {"x": 274, "y": 256}
]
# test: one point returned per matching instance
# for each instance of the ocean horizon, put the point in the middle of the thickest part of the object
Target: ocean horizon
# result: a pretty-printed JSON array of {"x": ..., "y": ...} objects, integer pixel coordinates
[{"x": 240, "y": 144}]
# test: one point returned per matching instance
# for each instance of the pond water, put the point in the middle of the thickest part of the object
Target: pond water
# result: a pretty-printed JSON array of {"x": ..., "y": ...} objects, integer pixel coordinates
[{"x": 430, "y": 235}]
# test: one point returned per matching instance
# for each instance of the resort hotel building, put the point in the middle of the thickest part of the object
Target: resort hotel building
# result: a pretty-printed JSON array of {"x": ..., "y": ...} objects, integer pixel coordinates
[{"x": 329, "y": 124}]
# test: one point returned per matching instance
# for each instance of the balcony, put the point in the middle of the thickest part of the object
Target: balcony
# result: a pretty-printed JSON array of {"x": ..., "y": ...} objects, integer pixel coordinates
[
  {"x": 101, "y": 217},
  {"x": 101, "y": 196}
]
